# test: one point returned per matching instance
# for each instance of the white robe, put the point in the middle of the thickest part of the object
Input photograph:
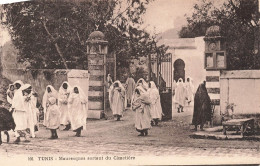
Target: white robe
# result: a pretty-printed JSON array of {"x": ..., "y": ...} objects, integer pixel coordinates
[
  {"x": 156, "y": 109},
  {"x": 180, "y": 93},
  {"x": 51, "y": 109},
  {"x": 141, "y": 106},
  {"x": 20, "y": 113},
  {"x": 78, "y": 109},
  {"x": 63, "y": 104},
  {"x": 190, "y": 89},
  {"x": 31, "y": 109},
  {"x": 117, "y": 99}
]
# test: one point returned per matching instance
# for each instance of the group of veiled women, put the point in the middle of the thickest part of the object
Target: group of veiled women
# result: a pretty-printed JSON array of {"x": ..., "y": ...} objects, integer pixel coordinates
[
  {"x": 184, "y": 93},
  {"x": 66, "y": 107},
  {"x": 142, "y": 97}
]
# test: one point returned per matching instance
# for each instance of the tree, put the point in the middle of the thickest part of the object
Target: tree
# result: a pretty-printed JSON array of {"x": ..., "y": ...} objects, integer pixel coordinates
[
  {"x": 53, "y": 33},
  {"x": 238, "y": 20}
]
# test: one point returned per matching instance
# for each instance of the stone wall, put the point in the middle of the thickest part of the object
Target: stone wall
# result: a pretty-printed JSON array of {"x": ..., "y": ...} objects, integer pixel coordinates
[{"x": 39, "y": 79}]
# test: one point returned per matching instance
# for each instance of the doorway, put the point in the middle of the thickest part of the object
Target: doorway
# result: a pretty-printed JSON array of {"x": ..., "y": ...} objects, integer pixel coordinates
[{"x": 179, "y": 70}]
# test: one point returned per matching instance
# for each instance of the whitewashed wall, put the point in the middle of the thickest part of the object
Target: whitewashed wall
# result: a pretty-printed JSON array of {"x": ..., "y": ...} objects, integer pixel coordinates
[{"x": 241, "y": 87}]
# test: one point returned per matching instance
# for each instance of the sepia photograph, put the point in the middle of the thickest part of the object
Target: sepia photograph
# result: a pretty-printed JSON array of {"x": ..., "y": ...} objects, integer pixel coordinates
[{"x": 129, "y": 82}]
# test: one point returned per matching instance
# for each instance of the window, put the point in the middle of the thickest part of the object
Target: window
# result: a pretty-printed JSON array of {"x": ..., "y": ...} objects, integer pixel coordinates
[{"x": 215, "y": 60}]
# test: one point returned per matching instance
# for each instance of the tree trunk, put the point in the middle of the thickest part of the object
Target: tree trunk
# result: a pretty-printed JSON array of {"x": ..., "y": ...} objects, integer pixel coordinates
[{"x": 56, "y": 46}]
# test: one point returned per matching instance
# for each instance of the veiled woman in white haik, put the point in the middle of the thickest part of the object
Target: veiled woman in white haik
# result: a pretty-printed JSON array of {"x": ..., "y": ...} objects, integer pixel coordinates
[
  {"x": 51, "y": 110},
  {"x": 190, "y": 89},
  {"x": 117, "y": 99},
  {"x": 141, "y": 105},
  {"x": 64, "y": 93},
  {"x": 24, "y": 104},
  {"x": 156, "y": 109},
  {"x": 180, "y": 95},
  {"x": 78, "y": 110}
]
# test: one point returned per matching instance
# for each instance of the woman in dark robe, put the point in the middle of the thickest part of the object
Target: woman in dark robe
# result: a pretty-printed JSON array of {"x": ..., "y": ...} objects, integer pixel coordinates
[
  {"x": 6, "y": 122},
  {"x": 202, "y": 107}
]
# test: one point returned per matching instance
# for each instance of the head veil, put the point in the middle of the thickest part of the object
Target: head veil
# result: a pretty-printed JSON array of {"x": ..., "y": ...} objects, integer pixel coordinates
[
  {"x": 53, "y": 93},
  {"x": 145, "y": 85},
  {"x": 62, "y": 90},
  {"x": 180, "y": 82},
  {"x": 82, "y": 95}
]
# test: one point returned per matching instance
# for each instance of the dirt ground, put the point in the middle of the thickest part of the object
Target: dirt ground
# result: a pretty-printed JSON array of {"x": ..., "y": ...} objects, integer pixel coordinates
[{"x": 110, "y": 136}]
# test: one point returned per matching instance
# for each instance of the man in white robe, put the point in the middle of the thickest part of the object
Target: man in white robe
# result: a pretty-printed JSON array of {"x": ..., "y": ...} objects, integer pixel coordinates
[
  {"x": 64, "y": 93},
  {"x": 78, "y": 110}
]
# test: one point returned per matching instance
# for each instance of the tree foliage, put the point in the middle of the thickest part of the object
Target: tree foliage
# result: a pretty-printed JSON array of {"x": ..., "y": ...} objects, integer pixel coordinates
[
  {"x": 52, "y": 33},
  {"x": 239, "y": 23}
]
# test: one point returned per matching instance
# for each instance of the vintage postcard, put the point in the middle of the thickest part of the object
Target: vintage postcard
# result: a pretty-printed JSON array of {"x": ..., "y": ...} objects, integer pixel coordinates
[{"x": 130, "y": 82}]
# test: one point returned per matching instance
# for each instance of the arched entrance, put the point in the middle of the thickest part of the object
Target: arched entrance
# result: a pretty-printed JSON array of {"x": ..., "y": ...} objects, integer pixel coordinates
[{"x": 179, "y": 70}]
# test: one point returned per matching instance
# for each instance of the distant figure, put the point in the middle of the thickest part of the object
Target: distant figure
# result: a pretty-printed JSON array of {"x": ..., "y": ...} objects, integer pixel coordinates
[
  {"x": 180, "y": 95},
  {"x": 130, "y": 86},
  {"x": 64, "y": 93},
  {"x": 141, "y": 106},
  {"x": 202, "y": 107},
  {"x": 174, "y": 86},
  {"x": 156, "y": 108},
  {"x": 78, "y": 110},
  {"x": 10, "y": 93},
  {"x": 190, "y": 89},
  {"x": 6, "y": 123},
  {"x": 51, "y": 111},
  {"x": 117, "y": 99},
  {"x": 109, "y": 81}
]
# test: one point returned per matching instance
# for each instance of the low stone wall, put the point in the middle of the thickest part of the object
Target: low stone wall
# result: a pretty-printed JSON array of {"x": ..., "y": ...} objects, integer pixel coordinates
[{"x": 39, "y": 79}]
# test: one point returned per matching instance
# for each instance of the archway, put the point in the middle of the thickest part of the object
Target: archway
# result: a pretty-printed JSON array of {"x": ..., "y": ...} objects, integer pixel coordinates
[{"x": 179, "y": 70}]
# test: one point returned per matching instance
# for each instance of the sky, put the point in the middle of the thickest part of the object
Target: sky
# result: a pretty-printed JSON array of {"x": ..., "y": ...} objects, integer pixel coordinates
[{"x": 162, "y": 15}]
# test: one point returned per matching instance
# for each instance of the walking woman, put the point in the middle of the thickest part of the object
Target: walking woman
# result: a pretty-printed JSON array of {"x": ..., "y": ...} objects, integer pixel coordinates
[
  {"x": 202, "y": 107},
  {"x": 20, "y": 113},
  {"x": 156, "y": 108},
  {"x": 141, "y": 106},
  {"x": 51, "y": 110},
  {"x": 30, "y": 107},
  {"x": 64, "y": 93},
  {"x": 78, "y": 110},
  {"x": 190, "y": 89},
  {"x": 117, "y": 99},
  {"x": 180, "y": 95}
]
